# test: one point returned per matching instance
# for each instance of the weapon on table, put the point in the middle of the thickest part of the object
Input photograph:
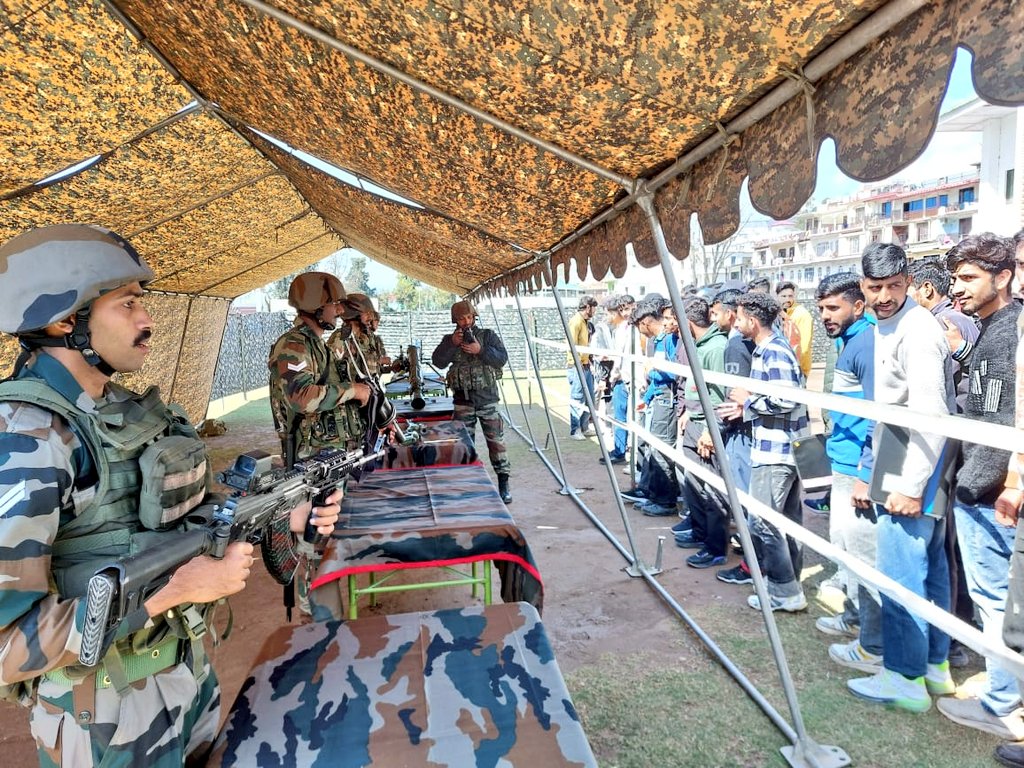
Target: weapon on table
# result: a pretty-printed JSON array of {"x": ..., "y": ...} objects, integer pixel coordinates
[
  {"x": 259, "y": 510},
  {"x": 415, "y": 380}
]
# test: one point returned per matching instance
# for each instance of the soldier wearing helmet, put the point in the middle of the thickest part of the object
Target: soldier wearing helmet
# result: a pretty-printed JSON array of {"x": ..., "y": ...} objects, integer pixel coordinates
[
  {"x": 476, "y": 357},
  {"x": 314, "y": 407},
  {"x": 73, "y": 448},
  {"x": 361, "y": 320}
]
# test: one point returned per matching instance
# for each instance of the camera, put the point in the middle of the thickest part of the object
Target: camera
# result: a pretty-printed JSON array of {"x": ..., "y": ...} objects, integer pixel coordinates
[{"x": 467, "y": 336}]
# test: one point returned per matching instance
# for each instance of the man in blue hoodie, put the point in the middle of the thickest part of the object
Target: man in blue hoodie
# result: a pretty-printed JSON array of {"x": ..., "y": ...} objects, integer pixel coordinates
[{"x": 851, "y": 528}]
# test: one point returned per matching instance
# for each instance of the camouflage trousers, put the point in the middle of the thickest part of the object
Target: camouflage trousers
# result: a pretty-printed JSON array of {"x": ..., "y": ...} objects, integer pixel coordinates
[
  {"x": 164, "y": 721},
  {"x": 493, "y": 428}
]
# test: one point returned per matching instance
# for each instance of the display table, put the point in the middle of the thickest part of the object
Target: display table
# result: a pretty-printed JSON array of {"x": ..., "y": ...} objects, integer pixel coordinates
[
  {"x": 475, "y": 686},
  {"x": 440, "y": 443},
  {"x": 394, "y": 520},
  {"x": 432, "y": 385}
]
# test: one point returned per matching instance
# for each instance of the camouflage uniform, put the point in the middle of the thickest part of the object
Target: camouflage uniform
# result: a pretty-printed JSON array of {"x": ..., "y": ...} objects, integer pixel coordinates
[
  {"x": 49, "y": 476},
  {"x": 310, "y": 392},
  {"x": 473, "y": 380}
]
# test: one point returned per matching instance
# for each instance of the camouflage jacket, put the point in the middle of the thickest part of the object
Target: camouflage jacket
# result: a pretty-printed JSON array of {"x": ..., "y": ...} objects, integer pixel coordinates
[
  {"x": 370, "y": 344},
  {"x": 307, "y": 391},
  {"x": 473, "y": 378},
  {"x": 44, "y": 476}
]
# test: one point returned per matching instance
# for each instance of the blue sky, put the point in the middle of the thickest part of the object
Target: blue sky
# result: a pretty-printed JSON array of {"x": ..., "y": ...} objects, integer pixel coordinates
[{"x": 947, "y": 153}]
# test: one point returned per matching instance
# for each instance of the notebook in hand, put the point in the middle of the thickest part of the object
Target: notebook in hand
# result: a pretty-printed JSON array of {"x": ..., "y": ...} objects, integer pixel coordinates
[
  {"x": 891, "y": 443},
  {"x": 812, "y": 462}
]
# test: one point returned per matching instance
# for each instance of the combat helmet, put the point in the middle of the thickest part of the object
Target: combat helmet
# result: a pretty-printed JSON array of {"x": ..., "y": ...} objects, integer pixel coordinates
[
  {"x": 356, "y": 304},
  {"x": 460, "y": 308},
  {"x": 310, "y": 292},
  {"x": 52, "y": 272}
]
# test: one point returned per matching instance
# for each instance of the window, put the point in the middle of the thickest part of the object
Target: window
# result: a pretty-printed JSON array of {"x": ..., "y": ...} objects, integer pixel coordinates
[
  {"x": 943, "y": 200},
  {"x": 876, "y": 235},
  {"x": 887, "y": 209},
  {"x": 966, "y": 195},
  {"x": 855, "y": 245},
  {"x": 782, "y": 254},
  {"x": 791, "y": 252},
  {"x": 819, "y": 273},
  {"x": 913, "y": 205},
  {"x": 922, "y": 232},
  {"x": 930, "y": 202},
  {"x": 965, "y": 226},
  {"x": 1009, "y": 185},
  {"x": 808, "y": 274}
]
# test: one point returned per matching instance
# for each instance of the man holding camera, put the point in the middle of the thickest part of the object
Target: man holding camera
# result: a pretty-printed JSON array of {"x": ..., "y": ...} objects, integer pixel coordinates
[{"x": 476, "y": 357}]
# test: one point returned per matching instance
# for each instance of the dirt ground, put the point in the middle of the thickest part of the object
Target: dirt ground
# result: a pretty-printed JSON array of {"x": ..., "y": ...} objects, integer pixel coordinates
[{"x": 592, "y": 608}]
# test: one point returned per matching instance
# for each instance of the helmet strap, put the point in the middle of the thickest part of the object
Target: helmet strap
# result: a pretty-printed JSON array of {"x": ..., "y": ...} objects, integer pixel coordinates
[
  {"x": 80, "y": 339},
  {"x": 319, "y": 317}
]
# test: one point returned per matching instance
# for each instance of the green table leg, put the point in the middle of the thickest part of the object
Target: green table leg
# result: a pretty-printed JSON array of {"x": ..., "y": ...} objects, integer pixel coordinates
[{"x": 353, "y": 597}]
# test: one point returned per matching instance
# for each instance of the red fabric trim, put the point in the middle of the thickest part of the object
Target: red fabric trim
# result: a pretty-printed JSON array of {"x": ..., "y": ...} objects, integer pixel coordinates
[{"x": 508, "y": 557}]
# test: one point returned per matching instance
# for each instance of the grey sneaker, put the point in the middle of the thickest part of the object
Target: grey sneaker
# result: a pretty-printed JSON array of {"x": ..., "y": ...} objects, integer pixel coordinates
[{"x": 971, "y": 713}]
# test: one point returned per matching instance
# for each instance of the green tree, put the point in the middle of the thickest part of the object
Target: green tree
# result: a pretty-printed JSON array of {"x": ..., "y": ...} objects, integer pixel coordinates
[
  {"x": 357, "y": 279},
  {"x": 436, "y": 298},
  {"x": 406, "y": 292}
]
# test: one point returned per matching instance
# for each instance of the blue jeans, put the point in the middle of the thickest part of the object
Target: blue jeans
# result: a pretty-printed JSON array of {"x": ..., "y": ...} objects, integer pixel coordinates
[
  {"x": 620, "y": 404},
  {"x": 737, "y": 450},
  {"x": 986, "y": 547},
  {"x": 911, "y": 551},
  {"x": 658, "y": 473},
  {"x": 781, "y": 556},
  {"x": 579, "y": 416}
]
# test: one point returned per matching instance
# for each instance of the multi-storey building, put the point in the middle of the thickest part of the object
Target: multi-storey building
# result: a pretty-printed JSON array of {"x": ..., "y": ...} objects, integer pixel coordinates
[{"x": 926, "y": 218}]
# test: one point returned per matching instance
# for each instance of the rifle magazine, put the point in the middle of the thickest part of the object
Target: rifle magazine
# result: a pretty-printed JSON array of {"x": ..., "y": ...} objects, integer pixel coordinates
[{"x": 99, "y": 599}]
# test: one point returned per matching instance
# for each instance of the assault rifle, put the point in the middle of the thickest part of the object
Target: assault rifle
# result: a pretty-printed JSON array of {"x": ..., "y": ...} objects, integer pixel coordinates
[{"x": 258, "y": 511}]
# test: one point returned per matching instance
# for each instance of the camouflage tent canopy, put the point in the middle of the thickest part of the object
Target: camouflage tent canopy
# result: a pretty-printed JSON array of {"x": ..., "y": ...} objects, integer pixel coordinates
[{"x": 513, "y": 125}]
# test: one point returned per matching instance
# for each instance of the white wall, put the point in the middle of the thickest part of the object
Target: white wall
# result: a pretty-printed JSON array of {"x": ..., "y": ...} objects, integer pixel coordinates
[{"x": 1000, "y": 150}]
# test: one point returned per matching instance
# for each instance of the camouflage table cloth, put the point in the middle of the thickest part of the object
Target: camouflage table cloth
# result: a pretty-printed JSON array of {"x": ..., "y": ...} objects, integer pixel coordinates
[
  {"x": 439, "y": 443},
  {"x": 423, "y": 516},
  {"x": 474, "y": 686},
  {"x": 435, "y": 408}
]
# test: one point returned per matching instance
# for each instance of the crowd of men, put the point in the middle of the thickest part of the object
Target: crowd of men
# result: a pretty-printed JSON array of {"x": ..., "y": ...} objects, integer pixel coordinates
[{"x": 938, "y": 336}]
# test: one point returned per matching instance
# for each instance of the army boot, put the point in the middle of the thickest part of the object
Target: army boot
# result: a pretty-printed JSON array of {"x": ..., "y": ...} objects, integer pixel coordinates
[{"x": 503, "y": 491}]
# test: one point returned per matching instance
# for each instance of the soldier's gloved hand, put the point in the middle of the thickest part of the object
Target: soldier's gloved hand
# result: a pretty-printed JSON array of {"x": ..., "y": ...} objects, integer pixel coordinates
[
  {"x": 204, "y": 579},
  {"x": 323, "y": 518}
]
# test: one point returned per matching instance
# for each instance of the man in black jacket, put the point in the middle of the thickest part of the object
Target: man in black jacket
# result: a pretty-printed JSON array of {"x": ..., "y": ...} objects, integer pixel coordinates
[
  {"x": 476, "y": 356},
  {"x": 982, "y": 269}
]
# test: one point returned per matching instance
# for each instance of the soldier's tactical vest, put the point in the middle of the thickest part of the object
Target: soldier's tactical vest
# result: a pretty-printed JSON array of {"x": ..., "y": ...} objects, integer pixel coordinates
[
  {"x": 468, "y": 373},
  {"x": 149, "y": 470}
]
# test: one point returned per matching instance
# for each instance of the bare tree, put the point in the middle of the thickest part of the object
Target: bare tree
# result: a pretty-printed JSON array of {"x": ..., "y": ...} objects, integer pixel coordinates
[{"x": 707, "y": 262}]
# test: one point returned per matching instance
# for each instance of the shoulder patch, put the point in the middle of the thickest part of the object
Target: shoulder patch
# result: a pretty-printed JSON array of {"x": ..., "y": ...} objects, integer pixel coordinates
[
  {"x": 12, "y": 496},
  {"x": 297, "y": 366}
]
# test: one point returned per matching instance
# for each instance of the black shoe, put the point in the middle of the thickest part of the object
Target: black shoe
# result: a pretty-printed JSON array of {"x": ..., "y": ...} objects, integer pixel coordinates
[
  {"x": 634, "y": 495},
  {"x": 1010, "y": 754},
  {"x": 503, "y": 491},
  {"x": 685, "y": 540},
  {"x": 614, "y": 459},
  {"x": 736, "y": 544},
  {"x": 705, "y": 559},
  {"x": 682, "y": 525},
  {"x": 735, "y": 575}
]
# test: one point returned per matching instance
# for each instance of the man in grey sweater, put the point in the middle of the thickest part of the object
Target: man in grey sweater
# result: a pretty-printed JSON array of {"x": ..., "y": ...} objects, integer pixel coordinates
[
  {"x": 913, "y": 369},
  {"x": 982, "y": 269}
]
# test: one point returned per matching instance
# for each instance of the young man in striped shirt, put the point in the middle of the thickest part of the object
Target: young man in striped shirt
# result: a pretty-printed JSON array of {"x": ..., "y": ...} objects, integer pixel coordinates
[{"x": 775, "y": 422}]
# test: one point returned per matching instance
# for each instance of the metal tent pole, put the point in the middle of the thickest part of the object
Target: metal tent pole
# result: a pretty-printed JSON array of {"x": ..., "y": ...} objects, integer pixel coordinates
[
  {"x": 638, "y": 568},
  {"x": 515, "y": 382},
  {"x": 805, "y": 751},
  {"x": 531, "y": 353}
]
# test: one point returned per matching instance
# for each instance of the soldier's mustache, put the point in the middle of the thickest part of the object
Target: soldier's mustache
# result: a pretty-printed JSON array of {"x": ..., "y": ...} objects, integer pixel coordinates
[{"x": 143, "y": 337}]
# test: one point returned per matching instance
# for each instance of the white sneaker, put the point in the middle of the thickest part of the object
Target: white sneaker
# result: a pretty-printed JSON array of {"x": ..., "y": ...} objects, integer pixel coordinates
[
  {"x": 836, "y": 625},
  {"x": 893, "y": 690},
  {"x": 938, "y": 680},
  {"x": 854, "y": 656},
  {"x": 577, "y": 436},
  {"x": 791, "y": 604}
]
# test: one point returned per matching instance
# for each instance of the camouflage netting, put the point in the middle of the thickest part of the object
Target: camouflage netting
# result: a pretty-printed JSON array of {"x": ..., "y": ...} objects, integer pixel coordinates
[{"x": 217, "y": 210}]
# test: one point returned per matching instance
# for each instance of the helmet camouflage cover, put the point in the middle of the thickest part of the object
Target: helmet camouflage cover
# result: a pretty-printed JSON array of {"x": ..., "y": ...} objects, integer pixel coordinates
[
  {"x": 460, "y": 308},
  {"x": 48, "y": 273},
  {"x": 312, "y": 290},
  {"x": 356, "y": 304}
]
